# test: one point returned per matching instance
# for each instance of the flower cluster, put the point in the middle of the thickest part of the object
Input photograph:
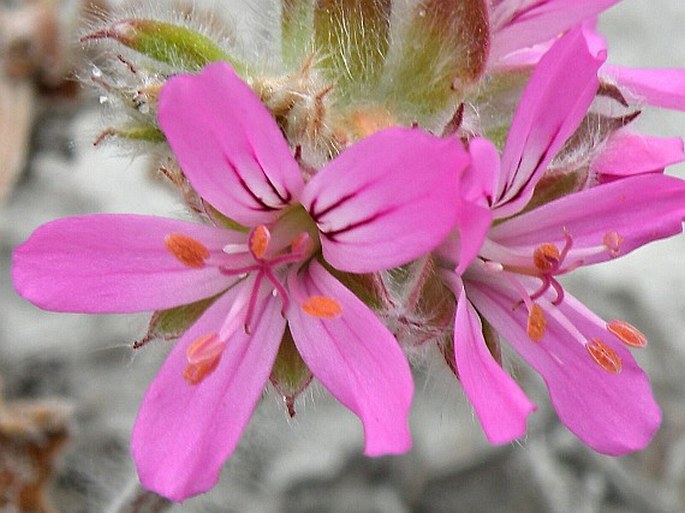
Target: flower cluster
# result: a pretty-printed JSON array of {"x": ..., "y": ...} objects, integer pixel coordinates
[{"x": 389, "y": 187}]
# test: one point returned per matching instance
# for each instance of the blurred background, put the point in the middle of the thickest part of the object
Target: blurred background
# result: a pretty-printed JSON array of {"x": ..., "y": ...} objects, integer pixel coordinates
[{"x": 72, "y": 384}]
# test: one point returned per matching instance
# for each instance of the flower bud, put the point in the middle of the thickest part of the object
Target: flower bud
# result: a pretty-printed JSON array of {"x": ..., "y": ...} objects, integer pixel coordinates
[{"x": 290, "y": 375}]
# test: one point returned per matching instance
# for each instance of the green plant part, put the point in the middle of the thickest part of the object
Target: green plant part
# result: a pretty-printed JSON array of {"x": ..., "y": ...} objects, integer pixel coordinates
[
  {"x": 165, "y": 42},
  {"x": 443, "y": 52},
  {"x": 290, "y": 376},
  {"x": 351, "y": 38}
]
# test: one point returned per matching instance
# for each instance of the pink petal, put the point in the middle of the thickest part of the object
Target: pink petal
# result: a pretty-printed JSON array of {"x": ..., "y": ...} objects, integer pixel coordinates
[
  {"x": 387, "y": 199},
  {"x": 474, "y": 215},
  {"x": 627, "y": 153},
  {"x": 184, "y": 433},
  {"x": 517, "y": 25},
  {"x": 356, "y": 358},
  {"x": 553, "y": 104},
  {"x": 229, "y": 145},
  {"x": 661, "y": 87},
  {"x": 116, "y": 263},
  {"x": 612, "y": 413},
  {"x": 500, "y": 404},
  {"x": 639, "y": 209}
]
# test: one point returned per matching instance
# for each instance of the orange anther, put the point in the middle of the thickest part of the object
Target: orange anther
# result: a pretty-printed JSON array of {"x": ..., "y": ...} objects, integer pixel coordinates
[
  {"x": 627, "y": 333},
  {"x": 187, "y": 250},
  {"x": 322, "y": 306},
  {"x": 612, "y": 241},
  {"x": 205, "y": 348},
  {"x": 605, "y": 356},
  {"x": 546, "y": 257},
  {"x": 195, "y": 373},
  {"x": 259, "y": 241},
  {"x": 536, "y": 323}
]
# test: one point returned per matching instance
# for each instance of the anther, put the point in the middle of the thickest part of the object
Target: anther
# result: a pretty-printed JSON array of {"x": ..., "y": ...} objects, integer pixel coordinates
[
  {"x": 604, "y": 356},
  {"x": 536, "y": 323},
  {"x": 322, "y": 307},
  {"x": 612, "y": 241},
  {"x": 259, "y": 241},
  {"x": 188, "y": 251},
  {"x": 627, "y": 333},
  {"x": 546, "y": 257},
  {"x": 203, "y": 357}
]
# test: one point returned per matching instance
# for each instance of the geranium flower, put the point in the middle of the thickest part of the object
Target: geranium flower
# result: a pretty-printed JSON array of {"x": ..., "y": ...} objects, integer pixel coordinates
[
  {"x": 381, "y": 203},
  {"x": 596, "y": 387}
]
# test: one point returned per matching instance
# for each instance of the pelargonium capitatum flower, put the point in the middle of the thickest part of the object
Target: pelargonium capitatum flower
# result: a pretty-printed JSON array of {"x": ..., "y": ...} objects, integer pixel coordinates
[
  {"x": 383, "y": 202},
  {"x": 595, "y": 385}
]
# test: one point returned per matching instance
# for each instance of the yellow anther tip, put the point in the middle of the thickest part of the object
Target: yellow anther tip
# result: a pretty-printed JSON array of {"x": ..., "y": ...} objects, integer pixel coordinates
[
  {"x": 322, "y": 307},
  {"x": 190, "y": 252}
]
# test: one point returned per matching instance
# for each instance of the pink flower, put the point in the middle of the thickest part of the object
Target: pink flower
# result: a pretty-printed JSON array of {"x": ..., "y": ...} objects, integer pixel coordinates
[
  {"x": 523, "y": 30},
  {"x": 381, "y": 203},
  {"x": 596, "y": 387}
]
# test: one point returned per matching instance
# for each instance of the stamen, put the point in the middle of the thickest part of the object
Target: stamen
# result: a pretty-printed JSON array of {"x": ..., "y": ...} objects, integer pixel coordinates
[
  {"x": 604, "y": 356},
  {"x": 207, "y": 347},
  {"x": 536, "y": 323},
  {"x": 323, "y": 307},
  {"x": 195, "y": 373},
  {"x": 546, "y": 257},
  {"x": 612, "y": 241},
  {"x": 258, "y": 241},
  {"x": 203, "y": 357},
  {"x": 302, "y": 244},
  {"x": 627, "y": 333},
  {"x": 188, "y": 251}
]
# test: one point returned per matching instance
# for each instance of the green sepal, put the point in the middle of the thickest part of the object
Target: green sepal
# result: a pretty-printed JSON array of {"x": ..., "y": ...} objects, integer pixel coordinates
[
  {"x": 351, "y": 38},
  {"x": 290, "y": 376},
  {"x": 297, "y": 30},
  {"x": 143, "y": 133},
  {"x": 221, "y": 220},
  {"x": 174, "y": 322},
  {"x": 167, "y": 42},
  {"x": 444, "y": 50}
]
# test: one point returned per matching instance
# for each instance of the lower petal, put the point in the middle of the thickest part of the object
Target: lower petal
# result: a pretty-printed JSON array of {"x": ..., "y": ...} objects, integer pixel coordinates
[
  {"x": 500, "y": 404},
  {"x": 356, "y": 358},
  {"x": 661, "y": 87},
  {"x": 613, "y": 413},
  {"x": 184, "y": 433}
]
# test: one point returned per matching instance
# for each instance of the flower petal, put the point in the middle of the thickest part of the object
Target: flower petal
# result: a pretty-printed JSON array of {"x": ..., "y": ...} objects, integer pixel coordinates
[
  {"x": 612, "y": 413},
  {"x": 387, "y": 199},
  {"x": 116, "y": 263},
  {"x": 517, "y": 25},
  {"x": 474, "y": 215},
  {"x": 663, "y": 87},
  {"x": 553, "y": 104},
  {"x": 500, "y": 404},
  {"x": 184, "y": 433},
  {"x": 638, "y": 209},
  {"x": 628, "y": 153},
  {"x": 229, "y": 145},
  {"x": 356, "y": 358}
]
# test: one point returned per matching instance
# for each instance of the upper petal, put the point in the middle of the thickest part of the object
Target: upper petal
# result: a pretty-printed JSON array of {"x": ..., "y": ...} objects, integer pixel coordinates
[
  {"x": 500, "y": 404},
  {"x": 628, "y": 153},
  {"x": 613, "y": 413},
  {"x": 356, "y": 358},
  {"x": 637, "y": 209},
  {"x": 521, "y": 24},
  {"x": 116, "y": 263},
  {"x": 553, "y": 104},
  {"x": 228, "y": 145},
  {"x": 664, "y": 87},
  {"x": 184, "y": 433},
  {"x": 387, "y": 199}
]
